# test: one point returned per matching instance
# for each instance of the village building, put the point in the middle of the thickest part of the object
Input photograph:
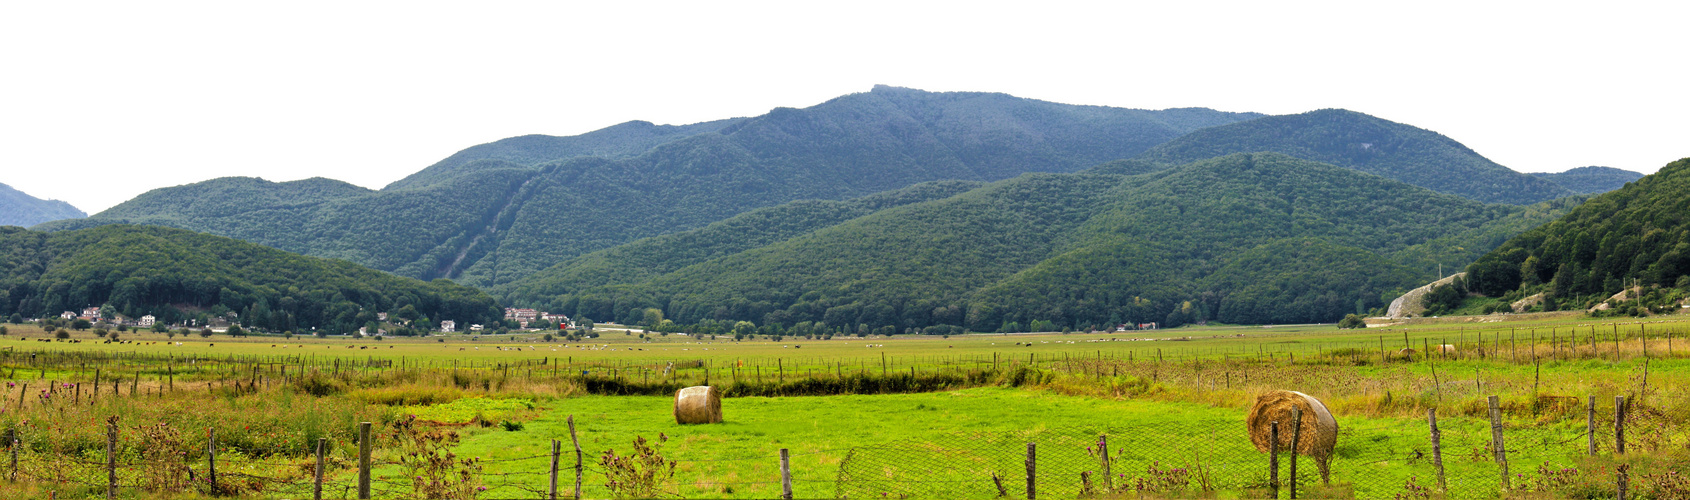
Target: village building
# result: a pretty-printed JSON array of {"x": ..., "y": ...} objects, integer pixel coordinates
[
  {"x": 146, "y": 321},
  {"x": 448, "y": 326},
  {"x": 475, "y": 327},
  {"x": 68, "y": 315}
]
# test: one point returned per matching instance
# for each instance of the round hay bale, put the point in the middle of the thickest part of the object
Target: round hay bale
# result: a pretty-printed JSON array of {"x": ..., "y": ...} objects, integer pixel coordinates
[
  {"x": 1320, "y": 430},
  {"x": 698, "y": 405}
]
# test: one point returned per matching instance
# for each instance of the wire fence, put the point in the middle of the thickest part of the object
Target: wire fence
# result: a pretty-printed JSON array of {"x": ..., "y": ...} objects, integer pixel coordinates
[{"x": 1613, "y": 449}]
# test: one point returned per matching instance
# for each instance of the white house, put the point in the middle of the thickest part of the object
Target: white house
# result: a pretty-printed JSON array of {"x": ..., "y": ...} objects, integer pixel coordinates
[
  {"x": 67, "y": 315},
  {"x": 448, "y": 326},
  {"x": 475, "y": 327},
  {"x": 146, "y": 321}
]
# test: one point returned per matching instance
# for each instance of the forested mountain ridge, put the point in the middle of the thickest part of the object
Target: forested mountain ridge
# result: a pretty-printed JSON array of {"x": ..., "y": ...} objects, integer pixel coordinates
[
  {"x": 1590, "y": 180},
  {"x": 174, "y": 274},
  {"x": 409, "y": 232},
  {"x": 1369, "y": 144},
  {"x": 487, "y": 217},
  {"x": 20, "y": 209},
  {"x": 1637, "y": 235},
  {"x": 619, "y": 141},
  {"x": 1207, "y": 240},
  {"x": 650, "y": 257}
]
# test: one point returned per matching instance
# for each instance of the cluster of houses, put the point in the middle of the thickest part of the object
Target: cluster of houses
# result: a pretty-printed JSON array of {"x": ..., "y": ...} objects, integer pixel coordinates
[
  {"x": 524, "y": 316},
  {"x": 92, "y": 315},
  {"x": 521, "y": 316}
]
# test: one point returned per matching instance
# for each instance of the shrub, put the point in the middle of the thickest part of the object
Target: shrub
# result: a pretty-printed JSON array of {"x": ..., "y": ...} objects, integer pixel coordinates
[
  {"x": 61, "y": 334},
  {"x": 1352, "y": 321}
]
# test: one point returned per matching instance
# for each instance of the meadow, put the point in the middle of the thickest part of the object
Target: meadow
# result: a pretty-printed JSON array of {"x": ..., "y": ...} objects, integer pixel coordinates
[{"x": 880, "y": 416}]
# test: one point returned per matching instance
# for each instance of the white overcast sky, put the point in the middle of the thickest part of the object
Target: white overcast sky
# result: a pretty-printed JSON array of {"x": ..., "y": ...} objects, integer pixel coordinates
[{"x": 100, "y": 101}]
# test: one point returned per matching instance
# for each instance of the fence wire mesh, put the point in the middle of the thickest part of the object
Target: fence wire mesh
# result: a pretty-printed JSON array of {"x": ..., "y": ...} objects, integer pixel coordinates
[{"x": 1549, "y": 454}]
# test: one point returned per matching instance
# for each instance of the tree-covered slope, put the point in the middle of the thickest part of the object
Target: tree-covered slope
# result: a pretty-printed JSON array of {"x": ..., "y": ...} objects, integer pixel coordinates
[
  {"x": 1376, "y": 146},
  {"x": 497, "y": 213},
  {"x": 410, "y": 232},
  {"x": 650, "y": 257},
  {"x": 1590, "y": 180},
  {"x": 619, "y": 141},
  {"x": 1076, "y": 250},
  {"x": 20, "y": 209},
  {"x": 175, "y": 274},
  {"x": 1636, "y": 235}
]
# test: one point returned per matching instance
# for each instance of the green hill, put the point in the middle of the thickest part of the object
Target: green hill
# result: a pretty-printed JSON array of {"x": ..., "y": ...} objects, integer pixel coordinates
[
  {"x": 1590, "y": 180},
  {"x": 651, "y": 257},
  {"x": 175, "y": 274},
  {"x": 621, "y": 141},
  {"x": 20, "y": 209},
  {"x": 1637, "y": 235},
  {"x": 496, "y": 213},
  {"x": 1215, "y": 239},
  {"x": 1358, "y": 141}
]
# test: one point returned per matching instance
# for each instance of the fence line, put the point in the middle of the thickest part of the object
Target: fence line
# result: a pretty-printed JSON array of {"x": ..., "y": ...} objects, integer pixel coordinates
[{"x": 1454, "y": 458}]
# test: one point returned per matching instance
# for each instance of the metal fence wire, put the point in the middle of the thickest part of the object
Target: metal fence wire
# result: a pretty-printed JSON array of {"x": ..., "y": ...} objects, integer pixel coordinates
[
  {"x": 1199, "y": 459},
  {"x": 1572, "y": 453}
]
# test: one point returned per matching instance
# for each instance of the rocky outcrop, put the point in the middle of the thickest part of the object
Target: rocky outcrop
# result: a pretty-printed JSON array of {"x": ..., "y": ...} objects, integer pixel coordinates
[{"x": 1410, "y": 304}]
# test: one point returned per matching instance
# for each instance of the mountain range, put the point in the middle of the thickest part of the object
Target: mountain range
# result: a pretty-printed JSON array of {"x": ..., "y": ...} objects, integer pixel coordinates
[
  {"x": 1244, "y": 238},
  {"x": 494, "y": 213},
  {"x": 642, "y": 215},
  {"x": 20, "y": 209}
]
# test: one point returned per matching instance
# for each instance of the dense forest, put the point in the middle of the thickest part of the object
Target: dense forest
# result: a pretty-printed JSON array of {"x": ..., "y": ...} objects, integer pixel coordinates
[
  {"x": 495, "y": 213},
  {"x": 1218, "y": 239},
  {"x": 175, "y": 275},
  {"x": 1636, "y": 236},
  {"x": 1590, "y": 180},
  {"x": 1369, "y": 144},
  {"x": 20, "y": 209}
]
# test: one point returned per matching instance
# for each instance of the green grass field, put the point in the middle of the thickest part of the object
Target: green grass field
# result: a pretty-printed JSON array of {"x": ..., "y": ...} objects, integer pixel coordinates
[{"x": 1171, "y": 401}]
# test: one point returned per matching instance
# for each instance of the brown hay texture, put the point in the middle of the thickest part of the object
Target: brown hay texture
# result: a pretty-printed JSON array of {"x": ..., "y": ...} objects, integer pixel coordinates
[
  {"x": 1320, "y": 430},
  {"x": 698, "y": 405}
]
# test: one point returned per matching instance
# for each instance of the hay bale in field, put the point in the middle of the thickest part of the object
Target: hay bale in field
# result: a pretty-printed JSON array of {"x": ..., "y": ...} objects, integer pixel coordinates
[
  {"x": 698, "y": 405},
  {"x": 1320, "y": 430},
  {"x": 1408, "y": 352},
  {"x": 1444, "y": 348}
]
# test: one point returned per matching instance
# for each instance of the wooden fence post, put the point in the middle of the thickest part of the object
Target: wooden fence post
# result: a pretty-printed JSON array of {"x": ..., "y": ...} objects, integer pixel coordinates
[
  {"x": 1032, "y": 469},
  {"x": 363, "y": 461},
  {"x": 1496, "y": 438},
  {"x": 210, "y": 458},
  {"x": 577, "y": 442},
  {"x": 1619, "y": 425},
  {"x": 1296, "y": 434},
  {"x": 1437, "y": 448},
  {"x": 557, "y": 447},
  {"x": 111, "y": 458},
  {"x": 1103, "y": 449},
  {"x": 317, "y": 480},
  {"x": 785, "y": 475},
  {"x": 1590, "y": 426},
  {"x": 1621, "y": 478},
  {"x": 1273, "y": 458}
]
